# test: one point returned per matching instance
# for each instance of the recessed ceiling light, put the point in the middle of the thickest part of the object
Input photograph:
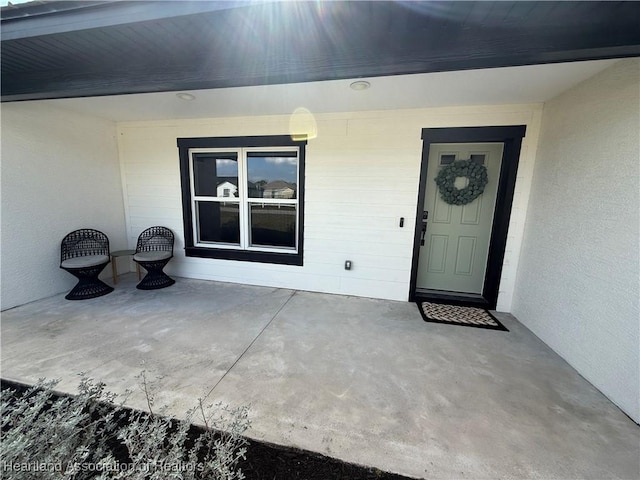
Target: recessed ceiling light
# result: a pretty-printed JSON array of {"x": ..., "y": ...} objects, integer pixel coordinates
[
  {"x": 185, "y": 96},
  {"x": 360, "y": 85}
]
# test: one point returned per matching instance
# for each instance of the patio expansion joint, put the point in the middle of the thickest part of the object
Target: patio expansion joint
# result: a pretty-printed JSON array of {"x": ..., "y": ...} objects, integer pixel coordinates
[{"x": 252, "y": 342}]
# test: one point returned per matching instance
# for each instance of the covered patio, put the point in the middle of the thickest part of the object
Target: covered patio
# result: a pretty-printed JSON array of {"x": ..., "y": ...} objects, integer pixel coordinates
[
  {"x": 102, "y": 104},
  {"x": 359, "y": 379}
]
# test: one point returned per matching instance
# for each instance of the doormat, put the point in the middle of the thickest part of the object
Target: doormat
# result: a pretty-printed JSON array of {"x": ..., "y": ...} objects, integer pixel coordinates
[{"x": 454, "y": 315}]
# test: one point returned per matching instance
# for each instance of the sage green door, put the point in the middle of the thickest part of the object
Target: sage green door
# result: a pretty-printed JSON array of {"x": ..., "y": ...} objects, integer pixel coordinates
[{"x": 456, "y": 241}]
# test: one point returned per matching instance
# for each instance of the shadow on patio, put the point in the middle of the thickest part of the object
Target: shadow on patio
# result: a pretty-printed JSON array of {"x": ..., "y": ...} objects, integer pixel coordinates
[{"x": 363, "y": 380}]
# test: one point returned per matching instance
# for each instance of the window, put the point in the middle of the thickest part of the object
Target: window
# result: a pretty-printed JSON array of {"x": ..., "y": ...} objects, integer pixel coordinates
[
  {"x": 477, "y": 158},
  {"x": 242, "y": 198},
  {"x": 447, "y": 158}
]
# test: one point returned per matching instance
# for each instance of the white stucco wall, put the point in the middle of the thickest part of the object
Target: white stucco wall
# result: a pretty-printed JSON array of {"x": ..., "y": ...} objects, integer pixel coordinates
[
  {"x": 362, "y": 175},
  {"x": 60, "y": 172},
  {"x": 578, "y": 281}
]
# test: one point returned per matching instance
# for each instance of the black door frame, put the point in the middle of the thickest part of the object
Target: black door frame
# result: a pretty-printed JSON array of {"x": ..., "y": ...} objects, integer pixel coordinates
[{"x": 511, "y": 137}]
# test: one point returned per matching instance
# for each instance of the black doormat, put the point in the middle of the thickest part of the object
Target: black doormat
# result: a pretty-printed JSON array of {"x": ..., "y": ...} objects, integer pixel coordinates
[{"x": 463, "y": 316}]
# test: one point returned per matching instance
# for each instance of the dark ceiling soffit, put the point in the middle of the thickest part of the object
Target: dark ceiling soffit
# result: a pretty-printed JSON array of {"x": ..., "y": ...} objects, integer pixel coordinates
[
  {"x": 46, "y": 19},
  {"x": 169, "y": 48},
  {"x": 45, "y": 86}
]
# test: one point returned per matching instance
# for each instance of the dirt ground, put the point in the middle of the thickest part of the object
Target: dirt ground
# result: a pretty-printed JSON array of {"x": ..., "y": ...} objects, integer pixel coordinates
[{"x": 274, "y": 462}]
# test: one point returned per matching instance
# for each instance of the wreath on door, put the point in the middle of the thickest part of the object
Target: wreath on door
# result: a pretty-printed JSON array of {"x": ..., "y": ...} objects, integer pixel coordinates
[{"x": 446, "y": 178}]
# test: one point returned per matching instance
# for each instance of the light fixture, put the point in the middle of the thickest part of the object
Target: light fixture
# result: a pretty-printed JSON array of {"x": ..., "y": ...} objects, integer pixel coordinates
[
  {"x": 185, "y": 96},
  {"x": 360, "y": 85}
]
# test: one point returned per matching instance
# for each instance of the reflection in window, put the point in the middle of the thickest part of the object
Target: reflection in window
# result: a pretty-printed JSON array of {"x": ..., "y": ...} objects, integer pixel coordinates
[
  {"x": 218, "y": 222},
  {"x": 215, "y": 173},
  {"x": 273, "y": 225},
  {"x": 272, "y": 175}
]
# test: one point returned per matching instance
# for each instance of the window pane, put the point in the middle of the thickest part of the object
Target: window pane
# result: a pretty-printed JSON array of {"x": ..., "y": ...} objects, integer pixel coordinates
[
  {"x": 215, "y": 174},
  {"x": 218, "y": 222},
  {"x": 272, "y": 174},
  {"x": 273, "y": 225},
  {"x": 477, "y": 158},
  {"x": 447, "y": 158}
]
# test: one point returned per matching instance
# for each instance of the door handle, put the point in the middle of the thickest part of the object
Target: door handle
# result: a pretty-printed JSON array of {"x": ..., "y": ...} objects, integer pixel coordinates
[{"x": 425, "y": 215}]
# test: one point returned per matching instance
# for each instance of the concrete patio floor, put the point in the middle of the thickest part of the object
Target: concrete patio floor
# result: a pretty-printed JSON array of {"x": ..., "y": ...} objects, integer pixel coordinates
[{"x": 363, "y": 380}]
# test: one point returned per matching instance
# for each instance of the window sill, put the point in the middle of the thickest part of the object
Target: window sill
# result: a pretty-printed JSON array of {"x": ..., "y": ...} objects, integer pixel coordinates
[{"x": 245, "y": 255}]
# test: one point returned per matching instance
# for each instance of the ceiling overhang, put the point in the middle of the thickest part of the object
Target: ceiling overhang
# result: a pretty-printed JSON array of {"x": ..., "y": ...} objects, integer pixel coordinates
[{"x": 97, "y": 48}]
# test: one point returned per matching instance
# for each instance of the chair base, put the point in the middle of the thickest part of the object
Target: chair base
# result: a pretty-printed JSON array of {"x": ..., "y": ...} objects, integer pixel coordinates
[
  {"x": 155, "y": 277},
  {"x": 89, "y": 285}
]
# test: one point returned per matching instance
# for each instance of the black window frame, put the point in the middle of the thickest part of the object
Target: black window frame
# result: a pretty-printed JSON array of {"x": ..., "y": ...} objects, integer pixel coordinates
[{"x": 191, "y": 250}]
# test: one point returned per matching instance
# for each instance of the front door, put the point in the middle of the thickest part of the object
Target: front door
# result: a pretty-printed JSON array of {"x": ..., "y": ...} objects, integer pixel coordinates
[
  {"x": 455, "y": 245},
  {"x": 458, "y": 257}
]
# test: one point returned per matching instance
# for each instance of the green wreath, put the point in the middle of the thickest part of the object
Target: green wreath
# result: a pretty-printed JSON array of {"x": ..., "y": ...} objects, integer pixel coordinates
[{"x": 478, "y": 179}]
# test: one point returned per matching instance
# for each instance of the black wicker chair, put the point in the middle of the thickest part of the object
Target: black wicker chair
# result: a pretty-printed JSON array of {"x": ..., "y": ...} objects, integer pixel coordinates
[
  {"x": 153, "y": 252},
  {"x": 84, "y": 254}
]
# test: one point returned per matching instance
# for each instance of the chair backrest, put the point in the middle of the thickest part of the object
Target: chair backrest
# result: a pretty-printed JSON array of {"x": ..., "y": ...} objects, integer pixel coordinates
[
  {"x": 83, "y": 242},
  {"x": 155, "y": 239}
]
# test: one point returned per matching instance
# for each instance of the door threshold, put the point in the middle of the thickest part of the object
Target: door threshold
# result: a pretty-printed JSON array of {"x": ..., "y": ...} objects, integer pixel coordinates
[{"x": 451, "y": 298}]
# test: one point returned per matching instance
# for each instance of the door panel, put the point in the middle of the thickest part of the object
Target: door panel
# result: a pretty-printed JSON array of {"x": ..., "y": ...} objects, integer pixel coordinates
[
  {"x": 438, "y": 253},
  {"x": 465, "y": 255},
  {"x": 454, "y": 255},
  {"x": 471, "y": 212},
  {"x": 442, "y": 213}
]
